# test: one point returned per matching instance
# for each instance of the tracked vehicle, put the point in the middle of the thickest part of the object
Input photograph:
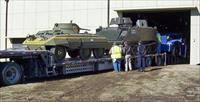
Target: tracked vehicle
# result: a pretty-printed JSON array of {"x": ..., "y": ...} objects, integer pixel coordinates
[
  {"x": 121, "y": 29},
  {"x": 66, "y": 38}
]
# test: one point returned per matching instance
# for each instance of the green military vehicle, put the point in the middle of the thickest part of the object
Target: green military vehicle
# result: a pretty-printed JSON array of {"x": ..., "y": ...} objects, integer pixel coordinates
[
  {"x": 121, "y": 29},
  {"x": 66, "y": 37}
]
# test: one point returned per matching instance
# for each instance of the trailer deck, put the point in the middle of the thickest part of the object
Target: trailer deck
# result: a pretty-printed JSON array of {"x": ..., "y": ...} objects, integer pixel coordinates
[
  {"x": 25, "y": 64},
  {"x": 21, "y": 53}
]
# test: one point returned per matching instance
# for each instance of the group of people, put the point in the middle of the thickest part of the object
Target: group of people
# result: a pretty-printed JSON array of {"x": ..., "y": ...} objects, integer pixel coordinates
[{"x": 118, "y": 52}]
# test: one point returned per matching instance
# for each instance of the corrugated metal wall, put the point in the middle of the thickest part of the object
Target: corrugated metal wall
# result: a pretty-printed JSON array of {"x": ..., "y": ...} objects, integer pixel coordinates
[{"x": 29, "y": 16}]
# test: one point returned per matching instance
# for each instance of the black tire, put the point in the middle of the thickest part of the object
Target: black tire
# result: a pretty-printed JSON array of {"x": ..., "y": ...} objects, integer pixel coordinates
[
  {"x": 73, "y": 53},
  {"x": 98, "y": 52},
  {"x": 59, "y": 53},
  {"x": 85, "y": 53},
  {"x": 10, "y": 73}
]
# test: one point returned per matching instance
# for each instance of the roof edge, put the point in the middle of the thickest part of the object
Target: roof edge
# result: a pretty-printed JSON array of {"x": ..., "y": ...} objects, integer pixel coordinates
[{"x": 155, "y": 9}]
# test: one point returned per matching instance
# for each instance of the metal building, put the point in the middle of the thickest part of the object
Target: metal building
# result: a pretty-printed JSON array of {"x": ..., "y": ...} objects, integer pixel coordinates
[{"x": 27, "y": 17}]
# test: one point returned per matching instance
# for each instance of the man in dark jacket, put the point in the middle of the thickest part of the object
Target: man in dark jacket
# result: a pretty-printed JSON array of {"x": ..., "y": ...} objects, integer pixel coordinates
[
  {"x": 141, "y": 56},
  {"x": 127, "y": 50}
]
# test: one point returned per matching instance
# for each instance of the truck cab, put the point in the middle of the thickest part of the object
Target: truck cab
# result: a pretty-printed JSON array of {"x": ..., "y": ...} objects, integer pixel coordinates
[{"x": 174, "y": 44}]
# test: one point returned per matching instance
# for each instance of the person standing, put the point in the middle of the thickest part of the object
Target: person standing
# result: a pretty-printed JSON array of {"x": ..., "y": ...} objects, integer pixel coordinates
[
  {"x": 127, "y": 50},
  {"x": 116, "y": 55},
  {"x": 159, "y": 43},
  {"x": 141, "y": 56}
]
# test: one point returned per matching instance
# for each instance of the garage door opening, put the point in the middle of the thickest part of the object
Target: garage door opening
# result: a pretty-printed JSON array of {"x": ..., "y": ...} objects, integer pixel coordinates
[{"x": 166, "y": 22}]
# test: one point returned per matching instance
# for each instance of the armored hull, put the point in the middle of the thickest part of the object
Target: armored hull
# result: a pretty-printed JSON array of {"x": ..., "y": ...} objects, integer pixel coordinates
[
  {"x": 133, "y": 35},
  {"x": 65, "y": 37},
  {"x": 122, "y": 29},
  {"x": 72, "y": 41}
]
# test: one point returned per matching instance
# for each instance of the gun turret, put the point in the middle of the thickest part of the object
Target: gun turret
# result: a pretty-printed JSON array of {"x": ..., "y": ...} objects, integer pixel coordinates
[
  {"x": 125, "y": 31},
  {"x": 121, "y": 22}
]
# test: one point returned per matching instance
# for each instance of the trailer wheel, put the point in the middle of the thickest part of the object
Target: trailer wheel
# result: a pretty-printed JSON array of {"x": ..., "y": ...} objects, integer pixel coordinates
[
  {"x": 59, "y": 53},
  {"x": 148, "y": 61},
  {"x": 10, "y": 73},
  {"x": 98, "y": 52},
  {"x": 73, "y": 53},
  {"x": 85, "y": 53}
]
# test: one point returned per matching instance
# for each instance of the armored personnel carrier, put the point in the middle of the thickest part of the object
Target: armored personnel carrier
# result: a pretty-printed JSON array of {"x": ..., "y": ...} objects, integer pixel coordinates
[
  {"x": 122, "y": 29},
  {"x": 66, "y": 37}
]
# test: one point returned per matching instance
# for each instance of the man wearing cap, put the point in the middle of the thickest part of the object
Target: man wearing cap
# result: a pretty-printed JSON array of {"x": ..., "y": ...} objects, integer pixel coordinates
[
  {"x": 141, "y": 56},
  {"x": 127, "y": 50},
  {"x": 116, "y": 55}
]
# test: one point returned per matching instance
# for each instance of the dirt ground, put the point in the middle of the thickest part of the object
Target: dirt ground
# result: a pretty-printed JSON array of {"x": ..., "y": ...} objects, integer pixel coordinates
[{"x": 173, "y": 83}]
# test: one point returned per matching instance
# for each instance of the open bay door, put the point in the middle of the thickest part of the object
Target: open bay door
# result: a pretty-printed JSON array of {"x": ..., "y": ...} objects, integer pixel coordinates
[{"x": 184, "y": 21}]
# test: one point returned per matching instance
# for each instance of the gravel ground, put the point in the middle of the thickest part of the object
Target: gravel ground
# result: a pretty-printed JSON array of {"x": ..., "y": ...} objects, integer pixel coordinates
[{"x": 173, "y": 83}]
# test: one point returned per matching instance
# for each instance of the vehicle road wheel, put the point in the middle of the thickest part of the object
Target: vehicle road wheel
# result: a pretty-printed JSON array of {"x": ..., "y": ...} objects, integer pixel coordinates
[
  {"x": 59, "y": 53},
  {"x": 98, "y": 52},
  {"x": 10, "y": 73},
  {"x": 85, "y": 53},
  {"x": 73, "y": 53}
]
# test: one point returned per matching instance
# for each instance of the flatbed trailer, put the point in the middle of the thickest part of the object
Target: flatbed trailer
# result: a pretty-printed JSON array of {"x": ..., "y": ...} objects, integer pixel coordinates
[{"x": 26, "y": 64}]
